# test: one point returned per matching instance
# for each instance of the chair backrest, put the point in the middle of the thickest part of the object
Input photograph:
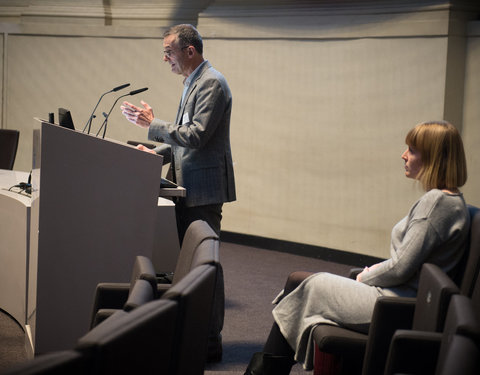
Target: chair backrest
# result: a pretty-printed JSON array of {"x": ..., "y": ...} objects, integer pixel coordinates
[
  {"x": 194, "y": 294},
  {"x": 460, "y": 355},
  {"x": 143, "y": 269},
  {"x": 197, "y": 232},
  {"x": 435, "y": 289},
  {"x": 462, "y": 327},
  {"x": 136, "y": 342},
  {"x": 8, "y": 147},
  {"x": 475, "y": 297},
  {"x": 461, "y": 318},
  {"x": 55, "y": 363},
  {"x": 207, "y": 252},
  {"x": 471, "y": 263}
]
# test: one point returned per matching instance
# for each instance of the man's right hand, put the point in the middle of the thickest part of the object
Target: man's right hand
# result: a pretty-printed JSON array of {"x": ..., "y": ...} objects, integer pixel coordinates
[{"x": 142, "y": 117}]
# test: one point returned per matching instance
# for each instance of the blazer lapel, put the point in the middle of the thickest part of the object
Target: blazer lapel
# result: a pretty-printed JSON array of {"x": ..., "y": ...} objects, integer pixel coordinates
[{"x": 181, "y": 107}]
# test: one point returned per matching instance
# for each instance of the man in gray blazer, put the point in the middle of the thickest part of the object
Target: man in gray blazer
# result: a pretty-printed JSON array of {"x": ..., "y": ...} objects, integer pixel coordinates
[{"x": 198, "y": 142}]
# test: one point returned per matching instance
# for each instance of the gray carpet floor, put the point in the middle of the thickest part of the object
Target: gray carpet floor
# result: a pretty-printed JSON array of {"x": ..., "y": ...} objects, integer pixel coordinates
[{"x": 253, "y": 277}]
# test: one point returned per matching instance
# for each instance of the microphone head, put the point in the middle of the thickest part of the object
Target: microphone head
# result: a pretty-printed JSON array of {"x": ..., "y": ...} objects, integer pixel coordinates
[
  {"x": 115, "y": 89},
  {"x": 135, "y": 92}
]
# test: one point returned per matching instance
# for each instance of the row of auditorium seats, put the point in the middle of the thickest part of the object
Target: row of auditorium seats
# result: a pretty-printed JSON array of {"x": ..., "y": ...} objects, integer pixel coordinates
[
  {"x": 383, "y": 351},
  {"x": 143, "y": 326}
]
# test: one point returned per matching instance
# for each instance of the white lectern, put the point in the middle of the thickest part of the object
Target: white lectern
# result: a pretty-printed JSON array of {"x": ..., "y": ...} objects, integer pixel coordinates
[{"x": 96, "y": 211}]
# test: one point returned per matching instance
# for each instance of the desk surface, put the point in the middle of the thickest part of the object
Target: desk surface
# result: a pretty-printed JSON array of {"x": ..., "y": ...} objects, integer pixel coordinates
[
  {"x": 8, "y": 180},
  {"x": 173, "y": 192},
  {"x": 14, "y": 245}
]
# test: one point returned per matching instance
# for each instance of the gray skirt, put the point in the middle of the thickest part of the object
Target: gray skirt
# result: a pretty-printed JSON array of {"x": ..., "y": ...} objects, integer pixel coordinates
[{"x": 324, "y": 298}]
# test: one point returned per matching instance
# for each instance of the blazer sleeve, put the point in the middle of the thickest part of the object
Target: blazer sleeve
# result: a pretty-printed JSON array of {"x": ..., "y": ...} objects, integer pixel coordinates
[{"x": 204, "y": 111}]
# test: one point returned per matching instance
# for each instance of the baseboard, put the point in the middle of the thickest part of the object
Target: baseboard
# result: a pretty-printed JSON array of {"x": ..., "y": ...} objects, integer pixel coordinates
[{"x": 319, "y": 252}]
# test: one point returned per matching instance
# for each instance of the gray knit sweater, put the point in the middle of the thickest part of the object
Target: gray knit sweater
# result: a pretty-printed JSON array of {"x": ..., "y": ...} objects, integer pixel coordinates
[{"x": 434, "y": 231}]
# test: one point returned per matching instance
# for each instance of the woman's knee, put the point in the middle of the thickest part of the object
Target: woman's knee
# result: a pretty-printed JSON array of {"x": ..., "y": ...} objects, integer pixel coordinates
[{"x": 295, "y": 279}]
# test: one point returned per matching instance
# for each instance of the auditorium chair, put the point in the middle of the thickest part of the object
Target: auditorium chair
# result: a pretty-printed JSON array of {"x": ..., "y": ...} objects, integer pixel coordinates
[
  {"x": 200, "y": 246},
  {"x": 137, "y": 342},
  {"x": 140, "y": 294},
  {"x": 194, "y": 295},
  {"x": 8, "y": 147},
  {"x": 426, "y": 353},
  {"x": 343, "y": 351},
  {"x": 426, "y": 313},
  {"x": 110, "y": 297},
  {"x": 198, "y": 235}
]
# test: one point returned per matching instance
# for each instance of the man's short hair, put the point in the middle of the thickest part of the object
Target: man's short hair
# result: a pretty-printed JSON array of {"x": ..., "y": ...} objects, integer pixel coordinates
[{"x": 187, "y": 36}]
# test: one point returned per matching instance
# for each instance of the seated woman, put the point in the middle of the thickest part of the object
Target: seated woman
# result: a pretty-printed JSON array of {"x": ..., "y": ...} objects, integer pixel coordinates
[{"x": 434, "y": 231}]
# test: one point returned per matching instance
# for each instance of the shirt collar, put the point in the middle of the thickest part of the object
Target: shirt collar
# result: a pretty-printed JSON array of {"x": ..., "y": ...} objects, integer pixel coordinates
[{"x": 194, "y": 74}]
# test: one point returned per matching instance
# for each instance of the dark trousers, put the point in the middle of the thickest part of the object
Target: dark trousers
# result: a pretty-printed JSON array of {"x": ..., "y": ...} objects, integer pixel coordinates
[
  {"x": 212, "y": 214},
  {"x": 277, "y": 344}
]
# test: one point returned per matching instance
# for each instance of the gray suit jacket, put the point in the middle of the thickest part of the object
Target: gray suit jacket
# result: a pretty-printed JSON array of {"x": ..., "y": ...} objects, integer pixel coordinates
[{"x": 200, "y": 140}]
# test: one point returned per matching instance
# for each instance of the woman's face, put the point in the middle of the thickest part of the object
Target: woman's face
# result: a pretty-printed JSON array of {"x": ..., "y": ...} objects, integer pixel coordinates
[{"x": 413, "y": 162}]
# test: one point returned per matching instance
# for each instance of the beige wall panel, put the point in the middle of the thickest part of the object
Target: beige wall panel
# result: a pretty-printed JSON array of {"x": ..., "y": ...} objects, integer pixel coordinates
[
  {"x": 45, "y": 73},
  {"x": 321, "y": 108},
  {"x": 318, "y": 128},
  {"x": 471, "y": 119}
]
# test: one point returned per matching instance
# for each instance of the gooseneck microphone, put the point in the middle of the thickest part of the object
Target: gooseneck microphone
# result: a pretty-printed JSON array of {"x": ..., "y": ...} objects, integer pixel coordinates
[
  {"x": 104, "y": 125},
  {"x": 92, "y": 116}
]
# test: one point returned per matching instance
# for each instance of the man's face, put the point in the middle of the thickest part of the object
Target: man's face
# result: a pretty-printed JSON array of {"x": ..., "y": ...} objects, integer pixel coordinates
[{"x": 175, "y": 55}]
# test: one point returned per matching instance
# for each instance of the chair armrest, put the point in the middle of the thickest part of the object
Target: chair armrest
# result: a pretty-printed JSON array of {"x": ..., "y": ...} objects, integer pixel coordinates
[
  {"x": 354, "y": 272},
  {"x": 389, "y": 314},
  {"x": 141, "y": 293},
  {"x": 413, "y": 352},
  {"x": 162, "y": 288},
  {"x": 339, "y": 340},
  {"x": 109, "y": 296},
  {"x": 101, "y": 315}
]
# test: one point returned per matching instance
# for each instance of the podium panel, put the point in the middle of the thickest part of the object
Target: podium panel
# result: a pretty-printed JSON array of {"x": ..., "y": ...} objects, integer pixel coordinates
[{"x": 97, "y": 211}]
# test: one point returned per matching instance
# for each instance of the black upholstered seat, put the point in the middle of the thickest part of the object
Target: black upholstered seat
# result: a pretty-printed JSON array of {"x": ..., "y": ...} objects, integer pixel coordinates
[{"x": 8, "y": 147}]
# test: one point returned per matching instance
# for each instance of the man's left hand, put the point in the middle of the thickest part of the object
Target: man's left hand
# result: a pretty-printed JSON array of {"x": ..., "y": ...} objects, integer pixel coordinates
[{"x": 144, "y": 148}]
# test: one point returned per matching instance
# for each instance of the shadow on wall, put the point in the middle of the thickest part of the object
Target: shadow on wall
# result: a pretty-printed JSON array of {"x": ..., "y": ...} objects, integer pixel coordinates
[{"x": 183, "y": 11}]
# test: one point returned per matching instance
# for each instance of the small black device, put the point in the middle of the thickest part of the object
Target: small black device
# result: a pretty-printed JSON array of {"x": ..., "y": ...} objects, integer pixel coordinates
[{"x": 65, "y": 118}]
